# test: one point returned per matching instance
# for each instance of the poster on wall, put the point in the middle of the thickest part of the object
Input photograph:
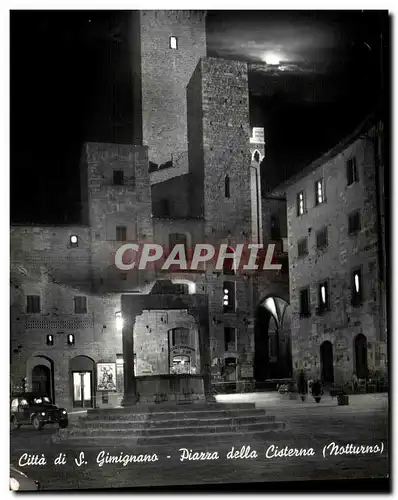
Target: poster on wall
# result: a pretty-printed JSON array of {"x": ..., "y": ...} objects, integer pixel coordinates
[{"x": 106, "y": 376}]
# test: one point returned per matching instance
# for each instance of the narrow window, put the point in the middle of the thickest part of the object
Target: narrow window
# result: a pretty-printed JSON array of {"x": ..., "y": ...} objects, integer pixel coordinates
[
  {"x": 173, "y": 42},
  {"x": 319, "y": 192},
  {"x": 121, "y": 233},
  {"x": 227, "y": 187},
  {"x": 300, "y": 203},
  {"x": 80, "y": 305},
  {"x": 165, "y": 207},
  {"x": 356, "y": 288},
  {"x": 354, "y": 222},
  {"x": 229, "y": 296},
  {"x": 275, "y": 228},
  {"x": 352, "y": 171},
  {"x": 33, "y": 304},
  {"x": 305, "y": 302},
  {"x": 177, "y": 239},
  {"x": 322, "y": 238},
  {"x": 50, "y": 340},
  {"x": 118, "y": 177},
  {"x": 302, "y": 247},
  {"x": 71, "y": 339},
  {"x": 230, "y": 338},
  {"x": 323, "y": 297}
]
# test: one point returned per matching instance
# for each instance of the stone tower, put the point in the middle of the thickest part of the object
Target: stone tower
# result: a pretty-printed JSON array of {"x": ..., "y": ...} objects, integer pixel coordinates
[
  {"x": 167, "y": 46},
  {"x": 219, "y": 153}
]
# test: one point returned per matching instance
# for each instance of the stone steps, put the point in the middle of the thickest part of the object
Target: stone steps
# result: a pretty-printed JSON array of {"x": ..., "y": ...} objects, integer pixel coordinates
[
  {"x": 187, "y": 422},
  {"x": 164, "y": 415},
  {"x": 204, "y": 439},
  {"x": 173, "y": 431},
  {"x": 170, "y": 424}
]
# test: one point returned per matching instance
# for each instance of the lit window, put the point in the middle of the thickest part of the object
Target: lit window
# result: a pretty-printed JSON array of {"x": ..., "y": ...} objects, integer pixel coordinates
[
  {"x": 74, "y": 241},
  {"x": 173, "y": 42},
  {"x": 319, "y": 192},
  {"x": 323, "y": 297},
  {"x": 119, "y": 320},
  {"x": 71, "y": 339},
  {"x": 300, "y": 203},
  {"x": 356, "y": 288},
  {"x": 229, "y": 296},
  {"x": 50, "y": 339}
]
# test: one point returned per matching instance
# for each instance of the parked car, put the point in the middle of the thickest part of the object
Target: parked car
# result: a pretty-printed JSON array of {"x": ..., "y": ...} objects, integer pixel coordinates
[
  {"x": 19, "y": 481},
  {"x": 37, "y": 410}
]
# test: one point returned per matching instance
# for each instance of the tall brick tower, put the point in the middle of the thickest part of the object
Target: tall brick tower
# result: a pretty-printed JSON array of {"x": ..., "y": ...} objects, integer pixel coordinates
[{"x": 167, "y": 47}]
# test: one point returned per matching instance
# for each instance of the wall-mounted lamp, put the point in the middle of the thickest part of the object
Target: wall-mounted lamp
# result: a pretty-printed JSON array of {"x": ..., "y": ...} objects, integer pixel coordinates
[{"x": 119, "y": 320}]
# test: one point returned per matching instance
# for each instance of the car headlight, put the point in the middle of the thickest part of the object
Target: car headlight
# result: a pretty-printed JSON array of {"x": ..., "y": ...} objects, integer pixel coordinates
[
  {"x": 43, "y": 413},
  {"x": 63, "y": 412},
  {"x": 14, "y": 485}
]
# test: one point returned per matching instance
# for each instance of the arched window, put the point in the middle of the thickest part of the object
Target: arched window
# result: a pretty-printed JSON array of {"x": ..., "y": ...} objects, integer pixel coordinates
[
  {"x": 227, "y": 187},
  {"x": 256, "y": 157}
]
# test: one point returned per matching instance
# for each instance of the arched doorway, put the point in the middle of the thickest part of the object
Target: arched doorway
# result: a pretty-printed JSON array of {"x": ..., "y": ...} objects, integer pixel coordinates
[
  {"x": 272, "y": 358},
  {"x": 40, "y": 375},
  {"x": 327, "y": 370},
  {"x": 81, "y": 381},
  {"x": 41, "y": 379},
  {"x": 361, "y": 356}
]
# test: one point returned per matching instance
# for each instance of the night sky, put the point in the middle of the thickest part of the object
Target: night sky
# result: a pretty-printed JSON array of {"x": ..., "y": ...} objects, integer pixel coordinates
[{"x": 70, "y": 82}]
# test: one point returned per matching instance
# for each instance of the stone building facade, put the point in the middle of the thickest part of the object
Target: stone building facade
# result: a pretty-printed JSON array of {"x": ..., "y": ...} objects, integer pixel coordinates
[
  {"x": 337, "y": 290},
  {"x": 66, "y": 292}
]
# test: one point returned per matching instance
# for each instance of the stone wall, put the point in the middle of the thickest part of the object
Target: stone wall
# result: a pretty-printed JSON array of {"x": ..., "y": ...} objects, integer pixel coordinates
[
  {"x": 152, "y": 343},
  {"x": 165, "y": 73},
  {"x": 344, "y": 252}
]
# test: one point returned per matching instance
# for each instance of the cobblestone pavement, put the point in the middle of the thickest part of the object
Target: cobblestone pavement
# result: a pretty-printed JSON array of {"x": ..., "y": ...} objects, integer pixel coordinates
[{"x": 310, "y": 425}]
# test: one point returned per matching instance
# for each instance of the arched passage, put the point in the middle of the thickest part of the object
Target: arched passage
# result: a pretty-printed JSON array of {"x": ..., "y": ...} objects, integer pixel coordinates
[
  {"x": 361, "y": 356},
  {"x": 82, "y": 380},
  {"x": 40, "y": 375},
  {"x": 272, "y": 358},
  {"x": 327, "y": 362},
  {"x": 41, "y": 379}
]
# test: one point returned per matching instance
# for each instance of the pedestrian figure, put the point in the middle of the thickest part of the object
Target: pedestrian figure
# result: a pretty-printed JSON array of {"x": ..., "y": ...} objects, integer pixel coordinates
[{"x": 302, "y": 385}]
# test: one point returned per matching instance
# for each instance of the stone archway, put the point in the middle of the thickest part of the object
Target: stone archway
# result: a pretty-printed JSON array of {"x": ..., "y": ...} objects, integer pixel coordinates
[
  {"x": 361, "y": 356},
  {"x": 272, "y": 351},
  {"x": 40, "y": 375},
  {"x": 41, "y": 379},
  {"x": 327, "y": 370}
]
